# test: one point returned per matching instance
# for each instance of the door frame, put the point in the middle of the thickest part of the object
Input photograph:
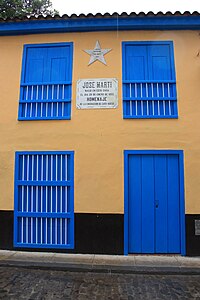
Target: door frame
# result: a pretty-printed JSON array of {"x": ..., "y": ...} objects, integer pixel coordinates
[{"x": 181, "y": 191}]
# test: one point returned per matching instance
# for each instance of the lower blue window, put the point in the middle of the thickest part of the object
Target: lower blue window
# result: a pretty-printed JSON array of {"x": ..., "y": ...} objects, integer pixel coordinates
[{"x": 44, "y": 200}]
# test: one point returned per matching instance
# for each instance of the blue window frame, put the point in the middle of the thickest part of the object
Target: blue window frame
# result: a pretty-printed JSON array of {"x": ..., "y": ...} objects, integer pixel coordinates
[
  {"x": 149, "y": 83},
  {"x": 44, "y": 200},
  {"x": 46, "y": 79}
]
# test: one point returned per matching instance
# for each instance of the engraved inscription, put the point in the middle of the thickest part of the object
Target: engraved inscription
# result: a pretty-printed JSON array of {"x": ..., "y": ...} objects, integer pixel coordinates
[{"x": 97, "y": 93}]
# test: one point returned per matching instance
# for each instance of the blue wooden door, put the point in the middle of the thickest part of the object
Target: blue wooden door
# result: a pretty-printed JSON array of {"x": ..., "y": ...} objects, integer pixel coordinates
[{"x": 154, "y": 203}]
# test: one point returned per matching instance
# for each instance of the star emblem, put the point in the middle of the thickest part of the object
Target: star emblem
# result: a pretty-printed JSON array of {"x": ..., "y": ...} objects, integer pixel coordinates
[{"x": 97, "y": 54}]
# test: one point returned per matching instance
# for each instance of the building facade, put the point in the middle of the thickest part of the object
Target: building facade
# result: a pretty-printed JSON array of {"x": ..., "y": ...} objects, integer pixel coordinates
[{"x": 100, "y": 147}]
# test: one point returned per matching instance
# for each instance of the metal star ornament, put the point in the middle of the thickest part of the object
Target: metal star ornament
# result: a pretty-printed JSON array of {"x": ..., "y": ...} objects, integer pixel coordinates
[{"x": 97, "y": 54}]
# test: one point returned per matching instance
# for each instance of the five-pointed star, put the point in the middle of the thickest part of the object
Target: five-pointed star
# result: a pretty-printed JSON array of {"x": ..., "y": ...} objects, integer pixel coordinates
[{"x": 97, "y": 54}]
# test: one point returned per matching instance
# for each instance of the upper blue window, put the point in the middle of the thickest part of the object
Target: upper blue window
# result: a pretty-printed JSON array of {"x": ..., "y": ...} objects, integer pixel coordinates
[
  {"x": 46, "y": 79},
  {"x": 149, "y": 84}
]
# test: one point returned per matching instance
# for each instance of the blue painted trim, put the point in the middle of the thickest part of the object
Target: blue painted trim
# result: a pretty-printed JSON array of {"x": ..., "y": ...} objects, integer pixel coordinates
[
  {"x": 46, "y": 101},
  {"x": 182, "y": 197},
  {"x": 143, "y": 99},
  {"x": 126, "y": 231},
  {"x": 43, "y": 182},
  {"x": 173, "y": 69},
  {"x": 152, "y": 151},
  {"x": 148, "y": 81},
  {"x": 43, "y": 118},
  {"x": 147, "y": 43},
  {"x": 123, "y": 66},
  {"x": 150, "y": 117},
  {"x": 72, "y": 197},
  {"x": 46, "y": 83},
  {"x": 100, "y": 24},
  {"x": 24, "y": 56},
  {"x": 182, "y": 203},
  {"x": 22, "y": 78},
  {"x": 71, "y": 68},
  {"x": 68, "y": 216},
  {"x": 47, "y": 45},
  {"x": 44, "y": 215},
  {"x": 50, "y": 246},
  {"x": 16, "y": 198},
  {"x": 44, "y": 152}
]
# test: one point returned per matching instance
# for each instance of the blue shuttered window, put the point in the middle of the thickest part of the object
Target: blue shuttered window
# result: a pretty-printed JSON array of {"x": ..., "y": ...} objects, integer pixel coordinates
[
  {"x": 44, "y": 204},
  {"x": 149, "y": 84},
  {"x": 45, "y": 92}
]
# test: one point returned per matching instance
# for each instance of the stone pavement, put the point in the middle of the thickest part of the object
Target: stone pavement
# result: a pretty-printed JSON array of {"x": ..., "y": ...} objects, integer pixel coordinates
[
  {"x": 35, "y": 284},
  {"x": 135, "y": 264}
]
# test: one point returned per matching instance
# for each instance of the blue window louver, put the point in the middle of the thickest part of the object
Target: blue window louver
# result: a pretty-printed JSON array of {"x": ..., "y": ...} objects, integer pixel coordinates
[
  {"x": 45, "y": 90},
  {"x": 44, "y": 200},
  {"x": 149, "y": 84}
]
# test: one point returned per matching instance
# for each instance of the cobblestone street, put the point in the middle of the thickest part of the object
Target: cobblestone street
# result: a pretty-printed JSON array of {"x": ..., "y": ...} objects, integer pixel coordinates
[{"x": 19, "y": 283}]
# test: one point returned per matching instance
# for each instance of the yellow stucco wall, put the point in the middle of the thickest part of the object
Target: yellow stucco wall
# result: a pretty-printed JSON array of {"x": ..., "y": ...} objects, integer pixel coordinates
[{"x": 100, "y": 136}]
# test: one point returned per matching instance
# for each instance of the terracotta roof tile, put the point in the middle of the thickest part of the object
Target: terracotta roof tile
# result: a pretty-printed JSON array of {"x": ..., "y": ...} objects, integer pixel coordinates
[{"x": 99, "y": 15}]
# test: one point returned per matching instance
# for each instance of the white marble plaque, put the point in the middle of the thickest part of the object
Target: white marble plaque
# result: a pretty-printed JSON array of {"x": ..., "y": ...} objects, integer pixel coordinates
[{"x": 97, "y": 93}]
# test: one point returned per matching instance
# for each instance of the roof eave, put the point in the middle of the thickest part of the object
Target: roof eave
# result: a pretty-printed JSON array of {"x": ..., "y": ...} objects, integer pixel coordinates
[{"x": 35, "y": 26}]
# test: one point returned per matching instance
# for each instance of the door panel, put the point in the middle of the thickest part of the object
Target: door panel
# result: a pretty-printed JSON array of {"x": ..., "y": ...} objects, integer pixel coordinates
[
  {"x": 161, "y": 214},
  {"x": 135, "y": 242},
  {"x": 173, "y": 205},
  {"x": 147, "y": 186}
]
